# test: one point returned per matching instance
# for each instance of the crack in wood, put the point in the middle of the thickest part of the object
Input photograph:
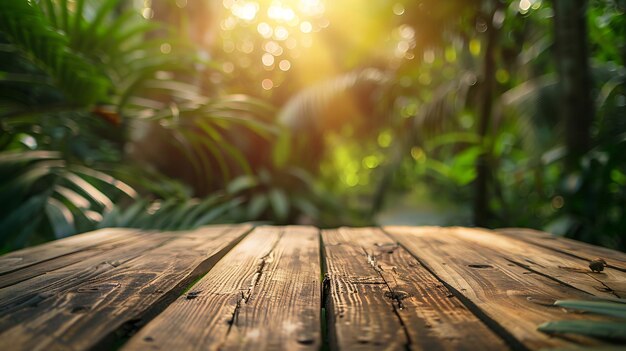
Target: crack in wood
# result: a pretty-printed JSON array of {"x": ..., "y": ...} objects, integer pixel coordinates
[
  {"x": 393, "y": 295},
  {"x": 497, "y": 328},
  {"x": 608, "y": 289},
  {"x": 527, "y": 267},
  {"x": 556, "y": 249},
  {"x": 256, "y": 277}
]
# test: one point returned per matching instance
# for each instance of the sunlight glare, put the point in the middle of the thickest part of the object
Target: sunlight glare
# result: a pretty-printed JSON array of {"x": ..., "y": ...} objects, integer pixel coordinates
[
  {"x": 267, "y": 59},
  {"x": 273, "y": 48},
  {"x": 279, "y": 13},
  {"x": 306, "y": 27},
  {"x": 265, "y": 30},
  {"x": 246, "y": 11},
  {"x": 311, "y": 7},
  {"x": 281, "y": 33}
]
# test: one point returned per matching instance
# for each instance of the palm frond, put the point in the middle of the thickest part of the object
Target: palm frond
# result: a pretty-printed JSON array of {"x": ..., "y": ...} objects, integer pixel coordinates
[{"x": 42, "y": 198}]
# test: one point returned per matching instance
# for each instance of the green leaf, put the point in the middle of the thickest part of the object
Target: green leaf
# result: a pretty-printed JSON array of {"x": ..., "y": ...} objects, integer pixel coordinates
[
  {"x": 60, "y": 218},
  {"x": 306, "y": 206},
  {"x": 198, "y": 210},
  {"x": 128, "y": 216},
  {"x": 216, "y": 212},
  {"x": 608, "y": 330},
  {"x": 280, "y": 203},
  {"x": 241, "y": 183},
  {"x": 601, "y": 307},
  {"x": 282, "y": 148},
  {"x": 14, "y": 224},
  {"x": 256, "y": 206}
]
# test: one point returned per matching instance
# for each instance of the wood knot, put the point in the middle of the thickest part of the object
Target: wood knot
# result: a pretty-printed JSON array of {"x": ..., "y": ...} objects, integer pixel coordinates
[
  {"x": 80, "y": 309},
  {"x": 597, "y": 265},
  {"x": 305, "y": 340},
  {"x": 481, "y": 266},
  {"x": 192, "y": 295},
  {"x": 396, "y": 295}
]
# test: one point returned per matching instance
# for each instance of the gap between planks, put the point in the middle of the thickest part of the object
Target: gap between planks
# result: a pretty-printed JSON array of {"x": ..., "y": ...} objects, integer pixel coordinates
[
  {"x": 510, "y": 298},
  {"x": 389, "y": 281},
  {"x": 382, "y": 298},
  {"x": 264, "y": 294}
]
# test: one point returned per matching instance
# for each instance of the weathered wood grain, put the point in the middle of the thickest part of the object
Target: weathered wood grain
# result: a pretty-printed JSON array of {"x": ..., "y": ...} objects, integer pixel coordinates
[
  {"x": 555, "y": 265},
  {"x": 89, "y": 308},
  {"x": 33, "y": 255},
  {"x": 17, "y": 301},
  {"x": 104, "y": 249},
  {"x": 265, "y": 294},
  {"x": 381, "y": 297},
  {"x": 584, "y": 251},
  {"x": 510, "y": 298},
  {"x": 361, "y": 316}
]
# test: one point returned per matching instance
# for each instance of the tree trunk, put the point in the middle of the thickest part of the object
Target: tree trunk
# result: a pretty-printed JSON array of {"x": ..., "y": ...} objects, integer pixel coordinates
[
  {"x": 575, "y": 104},
  {"x": 481, "y": 196}
]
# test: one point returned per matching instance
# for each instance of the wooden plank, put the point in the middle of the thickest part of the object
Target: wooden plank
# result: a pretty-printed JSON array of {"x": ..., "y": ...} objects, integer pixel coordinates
[
  {"x": 88, "y": 310},
  {"x": 381, "y": 297},
  {"x": 555, "y": 265},
  {"x": 508, "y": 297},
  {"x": 584, "y": 251},
  {"x": 88, "y": 253},
  {"x": 360, "y": 315},
  {"x": 41, "y": 253},
  {"x": 16, "y": 300},
  {"x": 265, "y": 294}
]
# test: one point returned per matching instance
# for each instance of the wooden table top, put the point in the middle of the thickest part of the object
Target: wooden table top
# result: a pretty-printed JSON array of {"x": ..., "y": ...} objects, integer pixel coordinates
[{"x": 300, "y": 288}]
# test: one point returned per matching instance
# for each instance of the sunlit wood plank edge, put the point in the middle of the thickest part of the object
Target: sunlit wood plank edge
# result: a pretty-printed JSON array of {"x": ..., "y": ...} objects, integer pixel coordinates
[
  {"x": 264, "y": 294},
  {"x": 423, "y": 312},
  {"x": 102, "y": 316},
  {"x": 507, "y": 296},
  {"x": 574, "y": 248},
  {"x": 109, "y": 245},
  {"x": 123, "y": 333},
  {"x": 25, "y": 258},
  {"x": 491, "y": 323}
]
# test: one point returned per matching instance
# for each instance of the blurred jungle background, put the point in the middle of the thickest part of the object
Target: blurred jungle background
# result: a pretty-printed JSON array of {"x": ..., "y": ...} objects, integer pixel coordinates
[{"x": 172, "y": 114}]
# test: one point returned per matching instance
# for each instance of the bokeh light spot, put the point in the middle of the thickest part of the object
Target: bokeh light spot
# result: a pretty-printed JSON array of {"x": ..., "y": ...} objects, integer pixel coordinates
[
  {"x": 265, "y": 30},
  {"x": 281, "y": 33},
  {"x": 306, "y": 27},
  {"x": 246, "y": 11},
  {"x": 166, "y": 48},
  {"x": 384, "y": 139},
  {"x": 267, "y": 84},
  {"x": 267, "y": 59},
  {"x": 228, "y": 67},
  {"x": 398, "y": 9},
  {"x": 474, "y": 47},
  {"x": 284, "y": 65}
]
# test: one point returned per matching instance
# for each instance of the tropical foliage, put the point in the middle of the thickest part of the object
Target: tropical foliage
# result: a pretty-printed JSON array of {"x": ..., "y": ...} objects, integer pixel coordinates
[{"x": 175, "y": 114}]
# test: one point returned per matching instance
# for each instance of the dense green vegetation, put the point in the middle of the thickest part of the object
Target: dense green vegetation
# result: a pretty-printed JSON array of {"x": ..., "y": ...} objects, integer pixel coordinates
[{"x": 175, "y": 114}]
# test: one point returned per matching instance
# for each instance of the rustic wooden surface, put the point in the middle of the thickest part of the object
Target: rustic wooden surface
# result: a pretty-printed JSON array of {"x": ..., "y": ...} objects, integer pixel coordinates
[
  {"x": 87, "y": 302},
  {"x": 265, "y": 294},
  {"x": 381, "y": 297},
  {"x": 300, "y": 288}
]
